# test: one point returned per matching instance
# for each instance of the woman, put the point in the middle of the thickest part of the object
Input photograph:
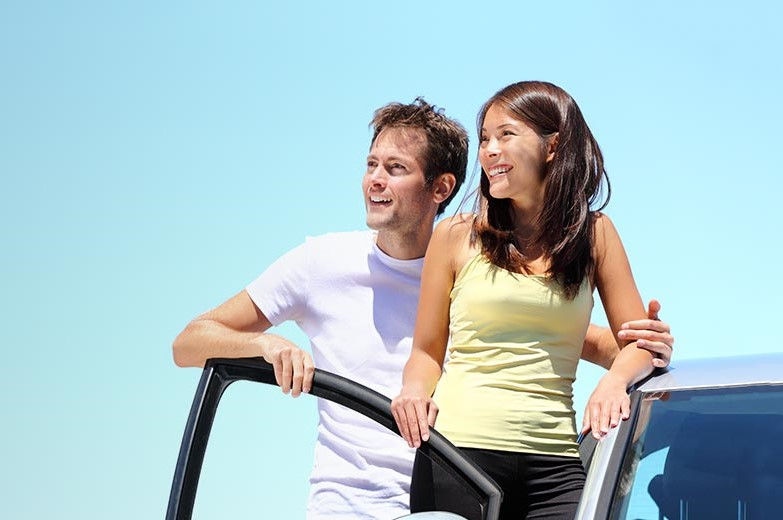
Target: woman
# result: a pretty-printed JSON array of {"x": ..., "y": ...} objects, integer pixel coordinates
[{"x": 512, "y": 285}]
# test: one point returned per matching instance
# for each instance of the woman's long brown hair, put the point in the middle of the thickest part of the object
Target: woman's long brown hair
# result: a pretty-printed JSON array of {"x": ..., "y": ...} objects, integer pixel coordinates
[{"x": 573, "y": 186}]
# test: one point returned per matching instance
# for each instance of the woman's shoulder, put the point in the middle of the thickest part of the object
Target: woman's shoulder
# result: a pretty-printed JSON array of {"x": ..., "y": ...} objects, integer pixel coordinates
[
  {"x": 602, "y": 223},
  {"x": 453, "y": 237},
  {"x": 605, "y": 235},
  {"x": 453, "y": 232},
  {"x": 601, "y": 218},
  {"x": 456, "y": 226}
]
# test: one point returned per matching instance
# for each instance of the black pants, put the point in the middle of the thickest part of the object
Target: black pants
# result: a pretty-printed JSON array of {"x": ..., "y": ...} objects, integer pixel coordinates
[{"x": 534, "y": 486}]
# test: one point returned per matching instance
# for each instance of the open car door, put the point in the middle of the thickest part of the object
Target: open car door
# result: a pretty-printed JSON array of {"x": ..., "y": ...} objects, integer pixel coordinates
[{"x": 218, "y": 374}]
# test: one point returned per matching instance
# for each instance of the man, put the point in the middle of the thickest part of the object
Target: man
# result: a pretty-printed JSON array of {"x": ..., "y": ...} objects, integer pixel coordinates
[{"x": 355, "y": 296}]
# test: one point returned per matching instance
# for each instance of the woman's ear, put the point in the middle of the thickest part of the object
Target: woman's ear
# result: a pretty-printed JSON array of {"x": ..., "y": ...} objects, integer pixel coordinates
[{"x": 551, "y": 146}]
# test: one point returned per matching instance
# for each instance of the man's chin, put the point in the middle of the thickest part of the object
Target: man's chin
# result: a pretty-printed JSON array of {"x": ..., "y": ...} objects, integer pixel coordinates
[{"x": 376, "y": 223}]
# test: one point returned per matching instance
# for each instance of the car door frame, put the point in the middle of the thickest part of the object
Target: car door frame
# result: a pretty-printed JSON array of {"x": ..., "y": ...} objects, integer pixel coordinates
[{"x": 219, "y": 373}]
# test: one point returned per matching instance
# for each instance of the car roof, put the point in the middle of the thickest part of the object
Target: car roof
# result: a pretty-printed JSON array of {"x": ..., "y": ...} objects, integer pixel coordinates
[{"x": 757, "y": 369}]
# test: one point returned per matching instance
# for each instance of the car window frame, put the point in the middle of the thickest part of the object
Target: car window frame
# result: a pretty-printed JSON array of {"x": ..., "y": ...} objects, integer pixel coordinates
[
  {"x": 606, "y": 457},
  {"x": 219, "y": 373},
  {"x": 608, "y": 499}
]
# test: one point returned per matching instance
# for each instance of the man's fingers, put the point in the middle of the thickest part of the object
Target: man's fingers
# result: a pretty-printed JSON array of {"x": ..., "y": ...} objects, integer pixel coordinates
[
  {"x": 309, "y": 371},
  {"x": 294, "y": 369},
  {"x": 646, "y": 324},
  {"x": 653, "y": 308},
  {"x": 302, "y": 372},
  {"x": 298, "y": 376},
  {"x": 659, "y": 363},
  {"x": 286, "y": 372},
  {"x": 661, "y": 351},
  {"x": 278, "y": 367},
  {"x": 656, "y": 347},
  {"x": 648, "y": 336}
]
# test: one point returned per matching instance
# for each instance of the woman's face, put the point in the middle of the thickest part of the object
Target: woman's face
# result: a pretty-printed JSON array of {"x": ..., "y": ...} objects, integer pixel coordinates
[{"x": 513, "y": 157}]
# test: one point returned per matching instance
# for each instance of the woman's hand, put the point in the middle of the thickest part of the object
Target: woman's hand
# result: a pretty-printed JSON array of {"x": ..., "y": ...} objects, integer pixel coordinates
[
  {"x": 415, "y": 413},
  {"x": 608, "y": 404}
]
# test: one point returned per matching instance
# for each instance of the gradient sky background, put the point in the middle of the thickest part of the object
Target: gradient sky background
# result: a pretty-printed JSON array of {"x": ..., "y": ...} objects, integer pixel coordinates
[{"x": 156, "y": 156}]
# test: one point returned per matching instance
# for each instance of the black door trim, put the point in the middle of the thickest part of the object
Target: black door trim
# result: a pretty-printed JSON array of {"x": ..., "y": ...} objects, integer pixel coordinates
[{"x": 218, "y": 374}]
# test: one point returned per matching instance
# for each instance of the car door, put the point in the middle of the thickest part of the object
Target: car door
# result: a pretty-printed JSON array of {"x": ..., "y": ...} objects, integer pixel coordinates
[{"x": 218, "y": 374}]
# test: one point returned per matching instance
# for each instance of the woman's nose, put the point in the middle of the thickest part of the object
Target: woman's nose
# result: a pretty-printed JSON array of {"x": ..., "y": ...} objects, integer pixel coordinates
[{"x": 492, "y": 146}]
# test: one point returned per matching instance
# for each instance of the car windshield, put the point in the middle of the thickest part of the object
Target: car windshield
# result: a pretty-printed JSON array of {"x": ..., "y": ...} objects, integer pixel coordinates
[{"x": 704, "y": 454}]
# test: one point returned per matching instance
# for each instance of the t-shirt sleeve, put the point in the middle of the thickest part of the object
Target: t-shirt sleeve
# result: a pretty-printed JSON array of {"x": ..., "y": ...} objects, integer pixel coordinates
[{"x": 280, "y": 292}]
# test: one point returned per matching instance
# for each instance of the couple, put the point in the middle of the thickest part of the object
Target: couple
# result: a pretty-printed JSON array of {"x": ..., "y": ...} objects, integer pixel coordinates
[{"x": 356, "y": 294}]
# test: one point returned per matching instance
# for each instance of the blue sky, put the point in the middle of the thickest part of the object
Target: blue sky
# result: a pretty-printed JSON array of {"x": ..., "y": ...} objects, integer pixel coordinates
[{"x": 156, "y": 156}]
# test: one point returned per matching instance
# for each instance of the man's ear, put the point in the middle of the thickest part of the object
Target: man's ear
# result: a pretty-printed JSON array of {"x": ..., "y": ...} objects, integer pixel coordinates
[
  {"x": 443, "y": 186},
  {"x": 551, "y": 146}
]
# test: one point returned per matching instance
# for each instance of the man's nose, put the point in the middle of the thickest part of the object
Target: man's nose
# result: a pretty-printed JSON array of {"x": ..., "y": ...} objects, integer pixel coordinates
[{"x": 377, "y": 175}]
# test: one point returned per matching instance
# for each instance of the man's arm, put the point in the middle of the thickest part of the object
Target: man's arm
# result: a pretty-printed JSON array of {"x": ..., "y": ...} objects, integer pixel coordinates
[
  {"x": 236, "y": 329},
  {"x": 600, "y": 346}
]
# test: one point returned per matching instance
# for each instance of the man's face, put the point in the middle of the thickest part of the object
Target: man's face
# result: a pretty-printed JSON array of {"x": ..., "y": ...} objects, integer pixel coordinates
[{"x": 395, "y": 194}]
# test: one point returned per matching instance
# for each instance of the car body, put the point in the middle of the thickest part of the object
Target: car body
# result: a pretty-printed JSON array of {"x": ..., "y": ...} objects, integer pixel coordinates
[{"x": 702, "y": 442}]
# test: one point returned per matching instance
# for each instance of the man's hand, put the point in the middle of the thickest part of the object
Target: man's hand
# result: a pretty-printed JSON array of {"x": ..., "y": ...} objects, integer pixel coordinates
[
  {"x": 651, "y": 334},
  {"x": 293, "y": 366}
]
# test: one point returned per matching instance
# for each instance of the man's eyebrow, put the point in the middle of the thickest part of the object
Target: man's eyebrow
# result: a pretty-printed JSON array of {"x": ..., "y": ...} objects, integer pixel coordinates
[{"x": 391, "y": 158}]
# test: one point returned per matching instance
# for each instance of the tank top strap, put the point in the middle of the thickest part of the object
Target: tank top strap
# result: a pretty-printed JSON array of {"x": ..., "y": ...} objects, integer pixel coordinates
[{"x": 469, "y": 266}]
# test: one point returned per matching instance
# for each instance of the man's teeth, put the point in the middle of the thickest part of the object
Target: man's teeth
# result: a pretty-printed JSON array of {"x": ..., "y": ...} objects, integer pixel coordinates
[{"x": 379, "y": 199}]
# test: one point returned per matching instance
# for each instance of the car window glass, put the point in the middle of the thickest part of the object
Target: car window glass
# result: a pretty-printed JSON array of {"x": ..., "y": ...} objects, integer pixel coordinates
[
  {"x": 707, "y": 453},
  {"x": 259, "y": 455}
]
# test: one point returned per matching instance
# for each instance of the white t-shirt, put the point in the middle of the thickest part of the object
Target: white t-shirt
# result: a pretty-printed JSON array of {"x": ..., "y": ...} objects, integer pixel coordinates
[{"x": 358, "y": 307}]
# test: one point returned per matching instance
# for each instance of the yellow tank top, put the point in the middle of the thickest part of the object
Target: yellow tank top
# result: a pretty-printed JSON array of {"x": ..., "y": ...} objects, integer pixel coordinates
[{"x": 515, "y": 344}]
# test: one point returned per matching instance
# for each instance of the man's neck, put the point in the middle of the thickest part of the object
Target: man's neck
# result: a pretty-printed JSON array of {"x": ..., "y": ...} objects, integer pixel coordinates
[{"x": 404, "y": 246}]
